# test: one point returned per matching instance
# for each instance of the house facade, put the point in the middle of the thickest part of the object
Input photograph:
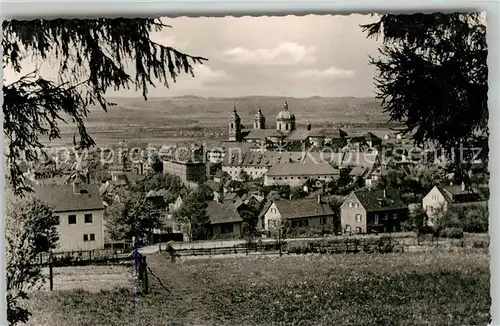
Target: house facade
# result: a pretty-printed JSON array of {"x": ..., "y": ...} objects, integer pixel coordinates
[
  {"x": 300, "y": 213},
  {"x": 296, "y": 174},
  {"x": 225, "y": 220},
  {"x": 189, "y": 164},
  {"x": 372, "y": 211},
  {"x": 79, "y": 210},
  {"x": 441, "y": 198}
]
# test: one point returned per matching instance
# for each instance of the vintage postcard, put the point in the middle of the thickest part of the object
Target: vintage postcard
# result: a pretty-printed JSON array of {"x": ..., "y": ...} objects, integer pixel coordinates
[{"x": 287, "y": 170}]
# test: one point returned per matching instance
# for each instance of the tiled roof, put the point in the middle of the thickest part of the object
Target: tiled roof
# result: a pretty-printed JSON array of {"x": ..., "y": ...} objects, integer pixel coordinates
[
  {"x": 220, "y": 213},
  {"x": 182, "y": 154},
  {"x": 302, "y": 208},
  {"x": 359, "y": 159},
  {"x": 358, "y": 171},
  {"x": 373, "y": 200},
  {"x": 63, "y": 199},
  {"x": 299, "y": 134},
  {"x": 455, "y": 194},
  {"x": 215, "y": 186},
  {"x": 306, "y": 168},
  {"x": 328, "y": 133},
  {"x": 263, "y": 134},
  {"x": 266, "y": 159},
  {"x": 333, "y": 158},
  {"x": 230, "y": 196}
]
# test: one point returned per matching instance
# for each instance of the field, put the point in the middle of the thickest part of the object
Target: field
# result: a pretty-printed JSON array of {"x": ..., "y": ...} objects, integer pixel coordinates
[
  {"x": 434, "y": 288},
  {"x": 180, "y": 119}
]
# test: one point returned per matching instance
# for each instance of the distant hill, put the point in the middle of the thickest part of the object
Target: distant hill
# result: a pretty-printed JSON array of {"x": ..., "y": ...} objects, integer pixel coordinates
[
  {"x": 215, "y": 111},
  {"x": 172, "y": 117}
]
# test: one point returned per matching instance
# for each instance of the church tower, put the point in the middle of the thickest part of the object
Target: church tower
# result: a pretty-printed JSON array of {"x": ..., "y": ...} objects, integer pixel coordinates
[
  {"x": 285, "y": 121},
  {"x": 259, "y": 121},
  {"x": 235, "y": 127}
]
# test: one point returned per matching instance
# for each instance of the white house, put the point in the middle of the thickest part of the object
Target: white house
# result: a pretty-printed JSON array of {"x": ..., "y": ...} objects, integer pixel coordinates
[
  {"x": 440, "y": 199},
  {"x": 80, "y": 211}
]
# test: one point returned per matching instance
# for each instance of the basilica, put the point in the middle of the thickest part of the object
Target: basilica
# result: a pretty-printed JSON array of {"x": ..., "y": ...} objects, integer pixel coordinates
[{"x": 285, "y": 135}]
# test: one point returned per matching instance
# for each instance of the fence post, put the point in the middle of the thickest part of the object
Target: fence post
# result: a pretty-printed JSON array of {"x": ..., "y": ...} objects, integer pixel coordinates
[
  {"x": 51, "y": 275},
  {"x": 144, "y": 275}
]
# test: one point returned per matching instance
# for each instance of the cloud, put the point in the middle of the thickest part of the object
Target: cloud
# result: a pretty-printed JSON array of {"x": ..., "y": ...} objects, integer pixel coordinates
[
  {"x": 285, "y": 53},
  {"x": 205, "y": 75},
  {"x": 331, "y": 72},
  {"x": 169, "y": 40}
]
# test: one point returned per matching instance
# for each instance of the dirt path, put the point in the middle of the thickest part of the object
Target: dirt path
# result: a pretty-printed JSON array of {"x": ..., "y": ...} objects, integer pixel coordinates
[{"x": 186, "y": 298}]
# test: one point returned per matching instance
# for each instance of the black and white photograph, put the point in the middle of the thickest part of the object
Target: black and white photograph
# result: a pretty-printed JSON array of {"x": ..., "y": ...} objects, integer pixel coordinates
[{"x": 319, "y": 169}]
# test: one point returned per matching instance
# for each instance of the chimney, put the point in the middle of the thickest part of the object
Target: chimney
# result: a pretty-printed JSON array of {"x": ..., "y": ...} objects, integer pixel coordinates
[
  {"x": 77, "y": 186},
  {"x": 290, "y": 197},
  {"x": 385, "y": 195},
  {"x": 451, "y": 183},
  {"x": 308, "y": 126},
  {"x": 463, "y": 186},
  {"x": 319, "y": 198}
]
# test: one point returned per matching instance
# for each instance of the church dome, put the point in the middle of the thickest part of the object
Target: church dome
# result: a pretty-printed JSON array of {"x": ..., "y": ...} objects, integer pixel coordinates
[{"x": 285, "y": 114}]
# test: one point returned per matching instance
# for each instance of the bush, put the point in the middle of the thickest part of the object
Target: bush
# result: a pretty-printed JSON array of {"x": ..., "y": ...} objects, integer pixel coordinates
[
  {"x": 299, "y": 247},
  {"x": 452, "y": 233},
  {"x": 481, "y": 244}
]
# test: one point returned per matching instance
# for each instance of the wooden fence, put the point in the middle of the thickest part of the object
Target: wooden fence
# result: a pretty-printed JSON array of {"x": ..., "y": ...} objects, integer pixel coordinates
[
  {"x": 367, "y": 244},
  {"x": 93, "y": 257},
  {"x": 336, "y": 246}
]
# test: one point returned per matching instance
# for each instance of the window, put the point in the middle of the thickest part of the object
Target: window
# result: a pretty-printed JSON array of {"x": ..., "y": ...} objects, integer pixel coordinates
[
  {"x": 286, "y": 126},
  {"x": 71, "y": 219},
  {"x": 226, "y": 228},
  {"x": 356, "y": 205},
  {"x": 58, "y": 219},
  {"x": 358, "y": 218},
  {"x": 375, "y": 219},
  {"x": 300, "y": 223},
  {"x": 273, "y": 210},
  {"x": 359, "y": 230},
  {"x": 85, "y": 237},
  {"x": 271, "y": 223},
  {"x": 350, "y": 204},
  {"x": 347, "y": 229},
  {"x": 88, "y": 218},
  {"x": 324, "y": 221},
  {"x": 395, "y": 216},
  {"x": 432, "y": 209},
  {"x": 92, "y": 237}
]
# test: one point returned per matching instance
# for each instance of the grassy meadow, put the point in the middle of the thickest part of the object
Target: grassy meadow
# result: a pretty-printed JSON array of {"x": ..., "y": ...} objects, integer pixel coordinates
[
  {"x": 180, "y": 119},
  {"x": 433, "y": 288}
]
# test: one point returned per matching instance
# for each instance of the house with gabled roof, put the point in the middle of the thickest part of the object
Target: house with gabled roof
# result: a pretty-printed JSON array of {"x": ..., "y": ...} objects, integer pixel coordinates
[
  {"x": 80, "y": 212},
  {"x": 442, "y": 198},
  {"x": 225, "y": 220},
  {"x": 301, "y": 213},
  {"x": 372, "y": 211}
]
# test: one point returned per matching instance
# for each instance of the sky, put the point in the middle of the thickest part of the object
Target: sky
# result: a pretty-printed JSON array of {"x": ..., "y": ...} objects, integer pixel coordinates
[{"x": 291, "y": 56}]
